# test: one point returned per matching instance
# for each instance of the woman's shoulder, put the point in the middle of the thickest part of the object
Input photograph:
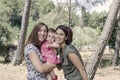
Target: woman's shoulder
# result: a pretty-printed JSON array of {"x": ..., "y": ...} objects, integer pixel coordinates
[
  {"x": 30, "y": 46},
  {"x": 70, "y": 46},
  {"x": 71, "y": 49}
]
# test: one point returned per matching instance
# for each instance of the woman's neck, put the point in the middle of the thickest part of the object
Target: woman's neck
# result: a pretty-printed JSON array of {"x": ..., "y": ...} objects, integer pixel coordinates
[{"x": 63, "y": 45}]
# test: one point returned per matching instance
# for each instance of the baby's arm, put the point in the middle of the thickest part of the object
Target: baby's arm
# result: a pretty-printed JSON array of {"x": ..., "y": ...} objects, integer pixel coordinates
[{"x": 54, "y": 45}]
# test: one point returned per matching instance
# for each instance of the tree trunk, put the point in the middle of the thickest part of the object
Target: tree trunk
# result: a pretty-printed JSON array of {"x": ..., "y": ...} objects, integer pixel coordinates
[
  {"x": 117, "y": 44},
  {"x": 69, "y": 12},
  {"x": 94, "y": 61},
  {"x": 22, "y": 35},
  {"x": 84, "y": 18}
]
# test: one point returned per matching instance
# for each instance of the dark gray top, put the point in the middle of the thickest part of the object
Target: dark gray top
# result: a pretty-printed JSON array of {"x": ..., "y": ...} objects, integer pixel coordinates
[
  {"x": 69, "y": 69},
  {"x": 33, "y": 74}
]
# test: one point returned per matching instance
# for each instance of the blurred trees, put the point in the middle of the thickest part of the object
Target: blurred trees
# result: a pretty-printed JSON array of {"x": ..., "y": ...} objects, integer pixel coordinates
[
  {"x": 41, "y": 10},
  {"x": 22, "y": 35},
  {"x": 11, "y": 12},
  {"x": 41, "y": 7},
  {"x": 87, "y": 36},
  {"x": 103, "y": 40},
  {"x": 117, "y": 43},
  {"x": 8, "y": 33},
  {"x": 53, "y": 15}
]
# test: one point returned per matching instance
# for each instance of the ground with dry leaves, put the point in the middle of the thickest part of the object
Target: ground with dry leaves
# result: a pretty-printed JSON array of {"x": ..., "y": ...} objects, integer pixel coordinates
[{"x": 9, "y": 72}]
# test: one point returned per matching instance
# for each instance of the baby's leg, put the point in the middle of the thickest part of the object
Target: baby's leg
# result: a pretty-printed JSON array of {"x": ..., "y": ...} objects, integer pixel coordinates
[
  {"x": 49, "y": 77},
  {"x": 53, "y": 75}
]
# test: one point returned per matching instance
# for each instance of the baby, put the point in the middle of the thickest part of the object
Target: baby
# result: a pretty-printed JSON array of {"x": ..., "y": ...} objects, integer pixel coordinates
[{"x": 49, "y": 52}]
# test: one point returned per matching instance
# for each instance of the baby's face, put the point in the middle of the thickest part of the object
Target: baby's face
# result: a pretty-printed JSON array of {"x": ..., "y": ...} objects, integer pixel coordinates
[{"x": 51, "y": 37}]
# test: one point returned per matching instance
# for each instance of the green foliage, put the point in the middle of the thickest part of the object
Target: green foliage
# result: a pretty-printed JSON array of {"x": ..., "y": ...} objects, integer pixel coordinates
[
  {"x": 40, "y": 8},
  {"x": 5, "y": 37},
  {"x": 113, "y": 36},
  {"x": 97, "y": 19},
  {"x": 6, "y": 10},
  {"x": 85, "y": 17},
  {"x": 4, "y": 34},
  {"x": 16, "y": 16},
  {"x": 85, "y": 36},
  {"x": 56, "y": 18},
  {"x": 45, "y": 11},
  {"x": 12, "y": 11},
  {"x": 7, "y": 33},
  {"x": 119, "y": 61},
  {"x": 59, "y": 16}
]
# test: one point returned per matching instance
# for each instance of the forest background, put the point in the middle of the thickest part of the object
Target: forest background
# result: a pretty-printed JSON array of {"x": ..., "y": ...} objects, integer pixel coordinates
[{"x": 87, "y": 24}]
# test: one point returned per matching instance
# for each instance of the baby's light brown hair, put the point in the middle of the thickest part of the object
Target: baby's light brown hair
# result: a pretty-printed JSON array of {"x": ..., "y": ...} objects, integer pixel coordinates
[{"x": 51, "y": 30}]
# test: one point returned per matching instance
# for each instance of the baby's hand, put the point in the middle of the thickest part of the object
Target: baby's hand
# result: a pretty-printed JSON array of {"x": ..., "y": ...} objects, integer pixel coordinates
[{"x": 48, "y": 46}]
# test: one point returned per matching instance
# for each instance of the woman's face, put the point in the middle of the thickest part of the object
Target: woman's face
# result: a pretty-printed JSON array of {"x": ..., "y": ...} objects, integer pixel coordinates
[
  {"x": 42, "y": 33},
  {"x": 60, "y": 36}
]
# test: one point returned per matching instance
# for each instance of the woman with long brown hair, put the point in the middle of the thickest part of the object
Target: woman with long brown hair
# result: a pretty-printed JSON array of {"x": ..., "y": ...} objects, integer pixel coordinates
[{"x": 36, "y": 67}]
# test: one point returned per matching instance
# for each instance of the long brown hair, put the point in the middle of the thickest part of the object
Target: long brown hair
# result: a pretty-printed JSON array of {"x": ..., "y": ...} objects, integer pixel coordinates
[{"x": 33, "y": 38}]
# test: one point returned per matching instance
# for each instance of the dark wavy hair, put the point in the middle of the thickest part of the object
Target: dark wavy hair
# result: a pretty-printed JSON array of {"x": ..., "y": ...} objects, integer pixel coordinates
[{"x": 68, "y": 33}]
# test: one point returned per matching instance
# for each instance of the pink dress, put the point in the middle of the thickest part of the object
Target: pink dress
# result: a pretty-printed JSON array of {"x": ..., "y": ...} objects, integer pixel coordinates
[{"x": 49, "y": 54}]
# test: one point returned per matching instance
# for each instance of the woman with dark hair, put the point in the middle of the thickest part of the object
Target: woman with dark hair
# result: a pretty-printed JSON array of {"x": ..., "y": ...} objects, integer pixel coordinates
[
  {"x": 36, "y": 67},
  {"x": 71, "y": 60}
]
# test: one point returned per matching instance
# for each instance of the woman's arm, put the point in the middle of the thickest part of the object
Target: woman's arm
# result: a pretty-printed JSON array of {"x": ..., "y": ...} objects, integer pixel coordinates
[
  {"x": 38, "y": 65},
  {"x": 75, "y": 60}
]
